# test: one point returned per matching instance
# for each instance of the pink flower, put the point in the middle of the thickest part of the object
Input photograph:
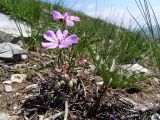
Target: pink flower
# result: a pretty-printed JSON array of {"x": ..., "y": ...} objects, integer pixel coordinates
[
  {"x": 59, "y": 39},
  {"x": 67, "y": 17}
]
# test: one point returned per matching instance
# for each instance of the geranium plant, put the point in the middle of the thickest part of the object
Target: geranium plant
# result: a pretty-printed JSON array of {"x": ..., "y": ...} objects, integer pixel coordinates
[{"x": 61, "y": 39}]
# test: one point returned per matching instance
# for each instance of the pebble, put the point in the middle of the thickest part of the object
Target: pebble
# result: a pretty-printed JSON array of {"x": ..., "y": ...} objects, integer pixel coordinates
[
  {"x": 62, "y": 82},
  {"x": 66, "y": 77},
  {"x": 8, "y": 88},
  {"x": 80, "y": 73},
  {"x": 34, "y": 88},
  {"x": 92, "y": 68},
  {"x": 74, "y": 80},
  {"x": 100, "y": 83},
  {"x": 7, "y": 82},
  {"x": 157, "y": 80},
  {"x": 4, "y": 116},
  {"x": 23, "y": 57},
  {"x": 155, "y": 116},
  {"x": 18, "y": 78},
  {"x": 70, "y": 84},
  {"x": 144, "y": 108}
]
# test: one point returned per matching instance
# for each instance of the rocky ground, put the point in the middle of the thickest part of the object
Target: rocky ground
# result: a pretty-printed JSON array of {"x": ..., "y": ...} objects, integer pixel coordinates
[{"x": 30, "y": 90}]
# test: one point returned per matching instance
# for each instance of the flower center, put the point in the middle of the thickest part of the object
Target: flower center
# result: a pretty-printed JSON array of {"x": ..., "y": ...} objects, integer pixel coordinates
[{"x": 59, "y": 41}]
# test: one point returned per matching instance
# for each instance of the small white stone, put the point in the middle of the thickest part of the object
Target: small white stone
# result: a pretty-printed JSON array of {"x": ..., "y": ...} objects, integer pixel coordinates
[
  {"x": 8, "y": 88},
  {"x": 41, "y": 117},
  {"x": 18, "y": 78},
  {"x": 155, "y": 116},
  {"x": 4, "y": 116},
  {"x": 92, "y": 68},
  {"x": 66, "y": 77},
  {"x": 100, "y": 83},
  {"x": 80, "y": 73},
  {"x": 62, "y": 82},
  {"x": 24, "y": 57},
  {"x": 15, "y": 107},
  {"x": 74, "y": 80},
  {"x": 70, "y": 84},
  {"x": 156, "y": 80},
  {"x": 7, "y": 82},
  {"x": 33, "y": 86},
  {"x": 144, "y": 108},
  {"x": 17, "y": 93}
]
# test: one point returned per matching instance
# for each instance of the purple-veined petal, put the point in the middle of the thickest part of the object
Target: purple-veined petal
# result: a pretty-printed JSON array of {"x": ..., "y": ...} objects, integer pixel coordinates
[
  {"x": 75, "y": 18},
  {"x": 50, "y": 36},
  {"x": 49, "y": 45},
  {"x": 65, "y": 33},
  {"x": 66, "y": 15},
  {"x": 71, "y": 39},
  {"x": 64, "y": 44},
  {"x": 57, "y": 15},
  {"x": 69, "y": 23},
  {"x": 59, "y": 34}
]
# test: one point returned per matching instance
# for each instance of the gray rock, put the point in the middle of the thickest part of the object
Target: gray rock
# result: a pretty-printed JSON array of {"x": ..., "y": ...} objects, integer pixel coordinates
[
  {"x": 4, "y": 116},
  {"x": 157, "y": 80},
  {"x": 134, "y": 69},
  {"x": 33, "y": 88},
  {"x": 144, "y": 108},
  {"x": 9, "y": 29},
  {"x": 155, "y": 116},
  {"x": 11, "y": 51}
]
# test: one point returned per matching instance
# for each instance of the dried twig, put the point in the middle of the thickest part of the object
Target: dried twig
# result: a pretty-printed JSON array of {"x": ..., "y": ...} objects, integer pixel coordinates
[
  {"x": 84, "y": 89},
  {"x": 66, "y": 110},
  {"x": 53, "y": 117},
  {"x": 39, "y": 75}
]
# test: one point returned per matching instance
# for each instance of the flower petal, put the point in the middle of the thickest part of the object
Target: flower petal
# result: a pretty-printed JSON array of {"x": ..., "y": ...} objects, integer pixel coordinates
[
  {"x": 69, "y": 23},
  {"x": 49, "y": 45},
  {"x": 57, "y": 15},
  {"x": 66, "y": 15},
  {"x": 75, "y": 18},
  {"x": 68, "y": 41},
  {"x": 59, "y": 34},
  {"x": 50, "y": 36},
  {"x": 65, "y": 33},
  {"x": 65, "y": 44},
  {"x": 71, "y": 39}
]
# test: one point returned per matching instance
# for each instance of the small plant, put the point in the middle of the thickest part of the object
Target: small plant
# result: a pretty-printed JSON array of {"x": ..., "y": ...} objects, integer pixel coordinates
[
  {"x": 111, "y": 76},
  {"x": 60, "y": 39}
]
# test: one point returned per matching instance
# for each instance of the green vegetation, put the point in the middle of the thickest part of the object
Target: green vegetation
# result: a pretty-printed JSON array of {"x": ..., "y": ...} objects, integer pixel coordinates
[{"x": 112, "y": 44}]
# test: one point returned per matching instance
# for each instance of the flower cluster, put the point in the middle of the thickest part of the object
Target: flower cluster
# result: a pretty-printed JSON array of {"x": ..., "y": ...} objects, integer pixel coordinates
[{"x": 59, "y": 38}]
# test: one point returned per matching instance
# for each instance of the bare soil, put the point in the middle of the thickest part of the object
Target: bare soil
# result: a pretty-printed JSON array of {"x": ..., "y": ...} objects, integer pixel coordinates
[{"x": 84, "y": 101}]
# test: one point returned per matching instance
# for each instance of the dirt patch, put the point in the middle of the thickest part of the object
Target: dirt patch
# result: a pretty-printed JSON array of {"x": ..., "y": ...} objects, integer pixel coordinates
[{"x": 54, "y": 98}]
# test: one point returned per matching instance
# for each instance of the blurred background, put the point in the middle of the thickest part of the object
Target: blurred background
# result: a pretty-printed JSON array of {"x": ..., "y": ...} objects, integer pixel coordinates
[{"x": 117, "y": 11}]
